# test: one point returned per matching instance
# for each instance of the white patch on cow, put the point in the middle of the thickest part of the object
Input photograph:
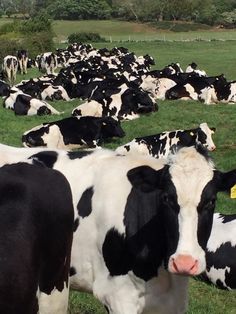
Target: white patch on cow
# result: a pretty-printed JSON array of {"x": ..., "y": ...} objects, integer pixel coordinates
[
  {"x": 208, "y": 95},
  {"x": 221, "y": 233},
  {"x": 90, "y": 108},
  {"x": 54, "y": 138},
  {"x": 209, "y": 141},
  {"x": 49, "y": 91},
  {"x": 54, "y": 303},
  {"x": 216, "y": 274},
  {"x": 192, "y": 94},
  {"x": 190, "y": 173},
  {"x": 134, "y": 147},
  {"x": 164, "y": 84},
  {"x": 36, "y": 104},
  {"x": 149, "y": 84}
]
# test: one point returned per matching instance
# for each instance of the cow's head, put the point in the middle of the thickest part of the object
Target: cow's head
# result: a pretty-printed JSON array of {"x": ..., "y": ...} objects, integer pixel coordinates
[
  {"x": 111, "y": 128},
  {"x": 189, "y": 185},
  {"x": 204, "y": 136},
  {"x": 33, "y": 137}
]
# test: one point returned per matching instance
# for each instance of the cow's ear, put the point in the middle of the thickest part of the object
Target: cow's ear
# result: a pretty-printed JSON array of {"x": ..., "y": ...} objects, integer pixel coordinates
[
  {"x": 145, "y": 178},
  {"x": 225, "y": 180}
]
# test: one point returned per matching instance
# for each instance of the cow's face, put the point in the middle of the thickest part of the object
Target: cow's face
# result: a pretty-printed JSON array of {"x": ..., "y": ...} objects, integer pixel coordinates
[
  {"x": 143, "y": 102},
  {"x": 188, "y": 185},
  {"x": 204, "y": 136},
  {"x": 111, "y": 127},
  {"x": 34, "y": 137}
]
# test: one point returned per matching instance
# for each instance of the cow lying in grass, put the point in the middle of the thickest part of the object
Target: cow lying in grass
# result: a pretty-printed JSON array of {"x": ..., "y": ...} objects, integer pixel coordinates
[
  {"x": 160, "y": 145},
  {"x": 23, "y": 104},
  {"x": 73, "y": 132}
]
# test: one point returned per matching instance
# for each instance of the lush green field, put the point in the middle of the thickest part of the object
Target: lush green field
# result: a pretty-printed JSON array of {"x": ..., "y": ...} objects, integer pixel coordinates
[
  {"x": 130, "y": 31},
  {"x": 214, "y": 57}
]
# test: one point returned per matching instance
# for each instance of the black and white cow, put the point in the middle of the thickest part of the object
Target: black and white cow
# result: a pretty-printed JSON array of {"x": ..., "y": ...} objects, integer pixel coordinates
[
  {"x": 47, "y": 62},
  {"x": 36, "y": 236},
  {"x": 124, "y": 102},
  {"x": 221, "y": 252},
  {"x": 22, "y": 58},
  {"x": 160, "y": 145},
  {"x": 4, "y": 88},
  {"x": 73, "y": 132},
  {"x": 9, "y": 68},
  {"x": 192, "y": 67},
  {"x": 136, "y": 236},
  {"x": 23, "y": 104}
]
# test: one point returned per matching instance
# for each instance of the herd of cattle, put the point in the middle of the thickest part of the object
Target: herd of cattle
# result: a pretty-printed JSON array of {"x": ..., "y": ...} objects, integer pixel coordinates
[{"x": 124, "y": 225}]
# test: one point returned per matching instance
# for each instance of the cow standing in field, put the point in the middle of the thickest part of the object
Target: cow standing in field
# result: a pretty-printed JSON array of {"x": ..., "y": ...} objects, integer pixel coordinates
[
  {"x": 22, "y": 58},
  {"x": 47, "y": 62},
  {"x": 135, "y": 237},
  {"x": 9, "y": 68},
  {"x": 160, "y": 145},
  {"x": 36, "y": 235}
]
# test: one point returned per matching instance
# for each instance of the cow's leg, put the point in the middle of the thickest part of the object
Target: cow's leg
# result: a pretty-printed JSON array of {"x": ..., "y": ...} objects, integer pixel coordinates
[{"x": 54, "y": 303}]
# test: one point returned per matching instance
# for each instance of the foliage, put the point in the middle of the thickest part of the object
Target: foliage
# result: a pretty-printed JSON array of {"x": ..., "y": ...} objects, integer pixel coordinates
[
  {"x": 85, "y": 37},
  {"x": 79, "y": 9},
  {"x": 228, "y": 19},
  {"x": 37, "y": 24}
]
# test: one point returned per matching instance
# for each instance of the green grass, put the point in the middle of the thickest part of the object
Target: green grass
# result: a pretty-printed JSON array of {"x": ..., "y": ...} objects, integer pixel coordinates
[
  {"x": 215, "y": 58},
  {"x": 129, "y": 31}
]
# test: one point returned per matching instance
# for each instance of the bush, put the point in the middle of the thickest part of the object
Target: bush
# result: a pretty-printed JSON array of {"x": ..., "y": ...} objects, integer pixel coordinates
[
  {"x": 34, "y": 43},
  {"x": 85, "y": 37}
]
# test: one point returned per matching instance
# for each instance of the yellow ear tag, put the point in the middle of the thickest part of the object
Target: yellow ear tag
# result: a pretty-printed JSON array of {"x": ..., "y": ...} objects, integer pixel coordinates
[{"x": 233, "y": 192}]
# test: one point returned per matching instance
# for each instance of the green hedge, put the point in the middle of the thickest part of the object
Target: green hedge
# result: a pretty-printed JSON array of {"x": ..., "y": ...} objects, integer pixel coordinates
[{"x": 85, "y": 37}]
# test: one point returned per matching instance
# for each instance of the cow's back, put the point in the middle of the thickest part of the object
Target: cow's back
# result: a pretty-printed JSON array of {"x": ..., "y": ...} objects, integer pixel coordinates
[{"x": 35, "y": 238}]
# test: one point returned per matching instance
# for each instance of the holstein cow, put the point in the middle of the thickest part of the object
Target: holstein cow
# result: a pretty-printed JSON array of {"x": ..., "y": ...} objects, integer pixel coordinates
[
  {"x": 36, "y": 236},
  {"x": 9, "y": 68},
  {"x": 73, "y": 132},
  {"x": 4, "y": 88},
  {"x": 23, "y": 104},
  {"x": 221, "y": 252},
  {"x": 47, "y": 62},
  {"x": 22, "y": 58},
  {"x": 127, "y": 102},
  {"x": 134, "y": 238},
  {"x": 160, "y": 145}
]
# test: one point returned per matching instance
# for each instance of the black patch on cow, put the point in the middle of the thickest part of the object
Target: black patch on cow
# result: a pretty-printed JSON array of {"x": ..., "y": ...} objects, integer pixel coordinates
[
  {"x": 78, "y": 154},
  {"x": 205, "y": 210},
  {"x": 36, "y": 235},
  {"x": 76, "y": 224},
  {"x": 72, "y": 271},
  {"x": 84, "y": 206},
  {"x": 224, "y": 256},
  {"x": 227, "y": 218},
  {"x": 22, "y": 104},
  {"x": 47, "y": 158},
  {"x": 141, "y": 249}
]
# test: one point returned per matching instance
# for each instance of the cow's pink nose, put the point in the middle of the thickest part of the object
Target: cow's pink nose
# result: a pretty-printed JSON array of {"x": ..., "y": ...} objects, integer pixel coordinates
[
  {"x": 183, "y": 264},
  {"x": 212, "y": 148}
]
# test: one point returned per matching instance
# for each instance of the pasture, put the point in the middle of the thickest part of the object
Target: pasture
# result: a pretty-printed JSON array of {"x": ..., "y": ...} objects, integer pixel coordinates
[{"x": 215, "y": 57}]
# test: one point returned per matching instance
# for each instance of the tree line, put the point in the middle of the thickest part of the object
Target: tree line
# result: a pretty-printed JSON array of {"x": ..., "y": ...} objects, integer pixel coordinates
[{"x": 211, "y": 12}]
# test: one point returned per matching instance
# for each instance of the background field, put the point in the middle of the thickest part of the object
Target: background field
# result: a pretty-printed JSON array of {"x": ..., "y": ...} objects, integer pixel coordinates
[{"x": 214, "y": 57}]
